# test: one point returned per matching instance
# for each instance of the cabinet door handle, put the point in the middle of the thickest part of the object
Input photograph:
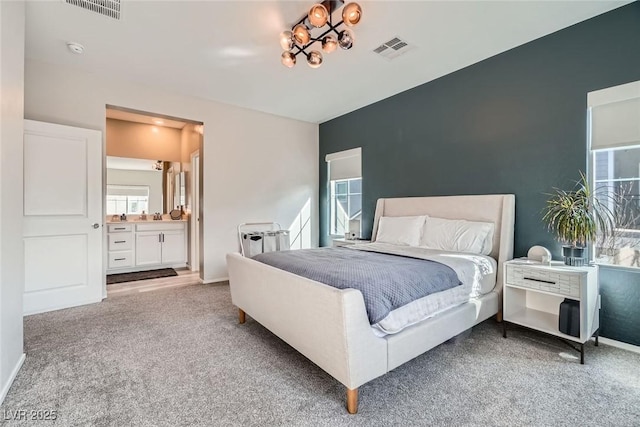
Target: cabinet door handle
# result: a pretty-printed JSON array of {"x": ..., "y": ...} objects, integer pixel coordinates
[
  {"x": 160, "y": 238},
  {"x": 539, "y": 280}
]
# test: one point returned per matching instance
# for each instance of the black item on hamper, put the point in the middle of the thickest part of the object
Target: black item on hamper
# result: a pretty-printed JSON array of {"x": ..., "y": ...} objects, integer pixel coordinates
[{"x": 569, "y": 322}]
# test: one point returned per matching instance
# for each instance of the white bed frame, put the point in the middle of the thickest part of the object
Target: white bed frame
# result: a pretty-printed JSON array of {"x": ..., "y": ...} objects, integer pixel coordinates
[{"x": 330, "y": 326}]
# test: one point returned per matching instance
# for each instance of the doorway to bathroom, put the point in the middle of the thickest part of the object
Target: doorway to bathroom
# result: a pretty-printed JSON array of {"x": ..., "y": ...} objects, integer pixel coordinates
[{"x": 152, "y": 194}]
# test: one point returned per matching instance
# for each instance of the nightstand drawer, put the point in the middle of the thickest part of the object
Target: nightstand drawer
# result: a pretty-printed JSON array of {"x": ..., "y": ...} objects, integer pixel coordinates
[
  {"x": 544, "y": 280},
  {"x": 344, "y": 242}
]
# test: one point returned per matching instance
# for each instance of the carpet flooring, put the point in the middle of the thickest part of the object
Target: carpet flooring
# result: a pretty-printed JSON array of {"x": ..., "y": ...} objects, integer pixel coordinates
[
  {"x": 140, "y": 275},
  {"x": 178, "y": 357}
]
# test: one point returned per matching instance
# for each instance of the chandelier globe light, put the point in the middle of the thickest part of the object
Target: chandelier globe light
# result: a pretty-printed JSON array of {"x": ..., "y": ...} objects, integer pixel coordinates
[
  {"x": 351, "y": 14},
  {"x": 318, "y": 15},
  {"x": 317, "y": 26},
  {"x": 314, "y": 59},
  {"x": 329, "y": 44},
  {"x": 345, "y": 39},
  {"x": 288, "y": 59},
  {"x": 301, "y": 34},
  {"x": 286, "y": 40}
]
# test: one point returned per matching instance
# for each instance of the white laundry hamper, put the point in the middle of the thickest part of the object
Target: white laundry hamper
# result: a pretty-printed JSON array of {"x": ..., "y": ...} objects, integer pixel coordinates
[{"x": 262, "y": 237}]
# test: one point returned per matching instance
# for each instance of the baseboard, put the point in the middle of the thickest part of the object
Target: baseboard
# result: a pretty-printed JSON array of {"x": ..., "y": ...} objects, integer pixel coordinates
[
  {"x": 619, "y": 344},
  {"x": 209, "y": 281},
  {"x": 14, "y": 373}
]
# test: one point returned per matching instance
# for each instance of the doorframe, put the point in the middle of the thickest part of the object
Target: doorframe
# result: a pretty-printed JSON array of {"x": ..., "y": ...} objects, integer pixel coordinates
[
  {"x": 200, "y": 196},
  {"x": 196, "y": 185}
]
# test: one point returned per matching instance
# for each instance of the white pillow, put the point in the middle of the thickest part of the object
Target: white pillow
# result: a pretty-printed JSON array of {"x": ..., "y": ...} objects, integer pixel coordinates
[
  {"x": 400, "y": 230},
  {"x": 458, "y": 235}
]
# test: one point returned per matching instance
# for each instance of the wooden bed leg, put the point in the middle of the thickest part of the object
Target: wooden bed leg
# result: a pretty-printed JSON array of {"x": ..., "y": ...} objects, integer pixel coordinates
[
  {"x": 499, "y": 317},
  {"x": 352, "y": 401},
  {"x": 241, "y": 316}
]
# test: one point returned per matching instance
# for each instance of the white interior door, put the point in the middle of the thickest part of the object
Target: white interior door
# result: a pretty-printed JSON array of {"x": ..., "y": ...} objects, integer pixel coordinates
[{"x": 62, "y": 216}]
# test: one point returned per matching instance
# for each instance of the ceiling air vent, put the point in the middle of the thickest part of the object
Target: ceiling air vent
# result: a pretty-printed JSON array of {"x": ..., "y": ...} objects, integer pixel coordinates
[
  {"x": 110, "y": 8},
  {"x": 393, "y": 48}
]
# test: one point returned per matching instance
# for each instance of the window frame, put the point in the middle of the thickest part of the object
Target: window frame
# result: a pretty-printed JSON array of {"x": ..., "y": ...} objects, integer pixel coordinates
[
  {"x": 127, "y": 201},
  {"x": 333, "y": 198},
  {"x": 591, "y": 177}
]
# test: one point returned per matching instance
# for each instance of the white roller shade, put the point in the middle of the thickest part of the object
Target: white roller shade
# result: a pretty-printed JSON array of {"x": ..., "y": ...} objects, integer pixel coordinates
[
  {"x": 127, "y": 190},
  {"x": 345, "y": 164},
  {"x": 615, "y": 116}
]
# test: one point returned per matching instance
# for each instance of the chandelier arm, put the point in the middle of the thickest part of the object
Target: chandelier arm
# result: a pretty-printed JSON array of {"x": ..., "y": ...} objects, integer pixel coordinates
[
  {"x": 333, "y": 28},
  {"x": 302, "y": 49}
]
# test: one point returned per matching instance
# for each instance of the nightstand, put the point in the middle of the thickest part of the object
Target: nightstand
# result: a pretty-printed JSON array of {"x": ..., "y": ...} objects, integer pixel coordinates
[
  {"x": 341, "y": 241},
  {"x": 533, "y": 292}
]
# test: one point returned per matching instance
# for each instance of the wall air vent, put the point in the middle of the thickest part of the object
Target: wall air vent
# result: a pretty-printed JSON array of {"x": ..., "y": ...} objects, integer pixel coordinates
[
  {"x": 110, "y": 8},
  {"x": 393, "y": 48}
]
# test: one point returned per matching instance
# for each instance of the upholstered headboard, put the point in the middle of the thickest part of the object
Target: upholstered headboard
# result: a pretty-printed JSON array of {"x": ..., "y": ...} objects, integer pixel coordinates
[{"x": 496, "y": 208}]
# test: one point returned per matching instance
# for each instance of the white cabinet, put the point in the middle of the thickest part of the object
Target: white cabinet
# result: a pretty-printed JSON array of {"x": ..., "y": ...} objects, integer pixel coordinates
[
  {"x": 146, "y": 245},
  {"x": 164, "y": 245},
  {"x": 173, "y": 249},
  {"x": 148, "y": 248},
  {"x": 533, "y": 293},
  {"x": 119, "y": 246}
]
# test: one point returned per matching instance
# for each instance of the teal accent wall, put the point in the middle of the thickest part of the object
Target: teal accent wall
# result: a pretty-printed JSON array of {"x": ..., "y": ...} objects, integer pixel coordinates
[{"x": 514, "y": 123}]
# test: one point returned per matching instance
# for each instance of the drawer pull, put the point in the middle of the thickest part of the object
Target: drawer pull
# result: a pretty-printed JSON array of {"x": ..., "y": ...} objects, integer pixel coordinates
[
  {"x": 119, "y": 228},
  {"x": 119, "y": 259},
  {"x": 539, "y": 280},
  {"x": 120, "y": 241}
]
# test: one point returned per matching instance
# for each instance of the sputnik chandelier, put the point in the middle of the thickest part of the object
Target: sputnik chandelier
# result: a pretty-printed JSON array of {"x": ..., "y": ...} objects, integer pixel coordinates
[{"x": 300, "y": 40}]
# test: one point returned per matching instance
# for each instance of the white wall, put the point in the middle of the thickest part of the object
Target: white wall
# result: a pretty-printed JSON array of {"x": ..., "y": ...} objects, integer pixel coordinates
[
  {"x": 257, "y": 166},
  {"x": 11, "y": 247},
  {"x": 151, "y": 179}
]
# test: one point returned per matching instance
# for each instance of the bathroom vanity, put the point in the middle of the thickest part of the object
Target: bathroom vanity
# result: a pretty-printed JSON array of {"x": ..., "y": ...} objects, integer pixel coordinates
[{"x": 146, "y": 245}]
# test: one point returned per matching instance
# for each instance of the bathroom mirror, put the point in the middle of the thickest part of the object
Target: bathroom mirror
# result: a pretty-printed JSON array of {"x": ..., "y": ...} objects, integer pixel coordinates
[
  {"x": 179, "y": 198},
  {"x": 135, "y": 185}
]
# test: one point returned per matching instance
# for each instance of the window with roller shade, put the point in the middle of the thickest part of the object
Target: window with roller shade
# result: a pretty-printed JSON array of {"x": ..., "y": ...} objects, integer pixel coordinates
[
  {"x": 345, "y": 190},
  {"x": 614, "y": 133},
  {"x": 127, "y": 199}
]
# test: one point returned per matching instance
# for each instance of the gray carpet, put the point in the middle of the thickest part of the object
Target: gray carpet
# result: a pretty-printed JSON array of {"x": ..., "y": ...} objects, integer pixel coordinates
[{"x": 178, "y": 357}]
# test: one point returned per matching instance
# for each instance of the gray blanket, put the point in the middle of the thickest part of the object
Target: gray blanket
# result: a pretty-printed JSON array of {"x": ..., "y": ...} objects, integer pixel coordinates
[{"x": 386, "y": 281}]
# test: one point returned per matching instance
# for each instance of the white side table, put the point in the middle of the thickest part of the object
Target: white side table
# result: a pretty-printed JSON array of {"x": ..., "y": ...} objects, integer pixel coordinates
[
  {"x": 533, "y": 292},
  {"x": 341, "y": 241}
]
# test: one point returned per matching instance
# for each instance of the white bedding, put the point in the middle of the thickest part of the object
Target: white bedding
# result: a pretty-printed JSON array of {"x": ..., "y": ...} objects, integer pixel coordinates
[{"x": 476, "y": 272}]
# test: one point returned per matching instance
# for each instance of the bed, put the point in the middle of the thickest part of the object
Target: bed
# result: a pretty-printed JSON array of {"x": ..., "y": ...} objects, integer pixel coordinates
[{"x": 330, "y": 326}]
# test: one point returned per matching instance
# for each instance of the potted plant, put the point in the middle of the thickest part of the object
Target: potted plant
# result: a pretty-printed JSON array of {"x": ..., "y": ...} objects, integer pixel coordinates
[{"x": 577, "y": 217}]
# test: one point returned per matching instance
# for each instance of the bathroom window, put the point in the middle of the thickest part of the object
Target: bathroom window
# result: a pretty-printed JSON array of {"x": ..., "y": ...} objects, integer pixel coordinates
[{"x": 127, "y": 199}]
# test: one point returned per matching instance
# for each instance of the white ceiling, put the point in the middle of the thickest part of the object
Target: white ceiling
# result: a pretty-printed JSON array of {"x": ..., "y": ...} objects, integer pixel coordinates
[
  {"x": 142, "y": 118},
  {"x": 228, "y": 51}
]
